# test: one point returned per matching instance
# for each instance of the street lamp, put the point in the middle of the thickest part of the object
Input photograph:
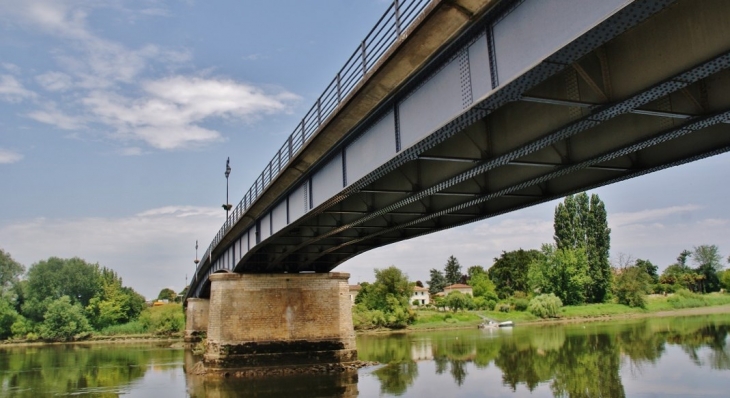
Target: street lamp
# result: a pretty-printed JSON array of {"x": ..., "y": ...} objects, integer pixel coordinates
[
  {"x": 196, "y": 261},
  {"x": 227, "y": 205}
]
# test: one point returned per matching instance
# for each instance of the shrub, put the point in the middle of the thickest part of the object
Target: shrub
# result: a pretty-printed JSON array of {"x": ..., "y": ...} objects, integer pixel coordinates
[
  {"x": 521, "y": 304},
  {"x": 134, "y": 327},
  {"x": 504, "y": 307},
  {"x": 166, "y": 319},
  {"x": 545, "y": 306},
  {"x": 491, "y": 304},
  {"x": 64, "y": 322}
]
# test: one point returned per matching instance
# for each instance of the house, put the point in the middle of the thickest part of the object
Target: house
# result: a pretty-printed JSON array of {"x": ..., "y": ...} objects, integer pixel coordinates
[
  {"x": 420, "y": 295},
  {"x": 354, "y": 290},
  {"x": 459, "y": 287}
]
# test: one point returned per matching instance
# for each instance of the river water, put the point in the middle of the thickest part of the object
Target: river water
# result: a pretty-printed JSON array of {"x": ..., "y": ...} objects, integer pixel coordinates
[{"x": 662, "y": 357}]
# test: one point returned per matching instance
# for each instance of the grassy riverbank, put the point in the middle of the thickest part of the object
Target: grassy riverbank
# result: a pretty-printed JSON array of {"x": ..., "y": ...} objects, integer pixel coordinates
[{"x": 656, "y": 306}]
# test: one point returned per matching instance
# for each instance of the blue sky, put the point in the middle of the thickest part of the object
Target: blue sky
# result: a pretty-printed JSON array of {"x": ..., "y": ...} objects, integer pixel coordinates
[{"x": 116, "y": 118}]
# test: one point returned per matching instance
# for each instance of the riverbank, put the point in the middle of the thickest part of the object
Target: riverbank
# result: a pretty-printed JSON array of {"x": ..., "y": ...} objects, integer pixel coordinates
[{"x": 657, "y": 306}]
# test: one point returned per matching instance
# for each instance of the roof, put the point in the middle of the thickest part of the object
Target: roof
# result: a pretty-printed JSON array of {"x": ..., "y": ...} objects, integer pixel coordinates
[
  {"x": 419, "y": 289},
  {"x": 355, "y": 287},
  {"x": 458, "y": 286}
]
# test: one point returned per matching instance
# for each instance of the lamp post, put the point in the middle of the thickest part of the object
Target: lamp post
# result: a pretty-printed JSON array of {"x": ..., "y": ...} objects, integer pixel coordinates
[
  {"x": 196, "y": 261},
  {"x": 227, "y": 206}
]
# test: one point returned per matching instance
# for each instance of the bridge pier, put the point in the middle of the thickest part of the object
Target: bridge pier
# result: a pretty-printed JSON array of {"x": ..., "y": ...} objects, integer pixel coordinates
[
  {"x": 196, "y": 319},
  {"x": 279, "y": 320}
]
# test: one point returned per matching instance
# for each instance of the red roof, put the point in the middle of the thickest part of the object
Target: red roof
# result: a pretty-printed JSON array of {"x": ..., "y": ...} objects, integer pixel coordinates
[{"x": 458, "y": 286}]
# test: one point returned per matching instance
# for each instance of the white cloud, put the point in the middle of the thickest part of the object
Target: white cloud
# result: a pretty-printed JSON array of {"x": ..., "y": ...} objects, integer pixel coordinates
[
  {"x": 8, "y": 156},
  {"x": 10, "y": 67},
  {"x": 150, "y": 250},
  {"x": 643, "y": 216},
  {"x": 131, "y": 151},
  {"x": 54, "y": 81},
  {"x": 12, "y": 90},
  {"x": 108, "y": 89},
  {"x": 169, "y": 116},
  {"x": 54, "y": 117}
]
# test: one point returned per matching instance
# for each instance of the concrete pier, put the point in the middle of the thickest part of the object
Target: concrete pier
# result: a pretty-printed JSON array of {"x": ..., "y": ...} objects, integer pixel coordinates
[
  {"x": 196, "y": 319},
  {"x": 279, "y": 320}
]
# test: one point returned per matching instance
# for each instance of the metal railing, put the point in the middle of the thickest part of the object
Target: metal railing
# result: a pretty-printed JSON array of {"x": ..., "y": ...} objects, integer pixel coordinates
[{"x": 396, "y": 19}]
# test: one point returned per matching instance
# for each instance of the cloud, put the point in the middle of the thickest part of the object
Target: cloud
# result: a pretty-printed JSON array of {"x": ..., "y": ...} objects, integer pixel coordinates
[
  {"x": 131, "y": 151},
  {"x": 170, "y": 115},
  {"x": 643, "y": 216},
  {"x": 150, "y": 250},
  {"x": 7, "y": 156},
  {"x": 11, "y": 90},
  {"x": 54, "y": 81},
  {"x": 54, "y": 117},
  {"x": 110, "y": 93},
  {"x": 12, "y": 68}
]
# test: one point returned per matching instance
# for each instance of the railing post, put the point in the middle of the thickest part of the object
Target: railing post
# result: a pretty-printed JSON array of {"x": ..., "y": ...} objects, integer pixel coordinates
[
  {"x": 339, "y": 89},
  {"x": 319, "y": 111},
  {"x": 364, "y": 59},
  {"x": 396, "y": 5}
]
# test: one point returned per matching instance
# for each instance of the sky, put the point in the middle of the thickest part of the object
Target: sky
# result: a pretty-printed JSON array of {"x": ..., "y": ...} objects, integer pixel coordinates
[{"x": 117, "y": 117}]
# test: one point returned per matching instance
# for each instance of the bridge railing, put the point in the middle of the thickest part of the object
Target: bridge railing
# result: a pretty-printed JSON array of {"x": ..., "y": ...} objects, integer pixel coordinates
[{"x": 396, "y": 19}]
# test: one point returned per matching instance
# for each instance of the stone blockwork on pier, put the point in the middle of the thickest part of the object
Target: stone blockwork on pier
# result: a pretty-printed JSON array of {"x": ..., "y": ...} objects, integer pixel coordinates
[
  {"x": 196, "y": 319},
  {"x": 279, "y": 320}
]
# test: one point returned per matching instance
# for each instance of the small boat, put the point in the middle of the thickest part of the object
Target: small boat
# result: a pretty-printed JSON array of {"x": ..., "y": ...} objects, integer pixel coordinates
[{"x": 493, "y": 325}]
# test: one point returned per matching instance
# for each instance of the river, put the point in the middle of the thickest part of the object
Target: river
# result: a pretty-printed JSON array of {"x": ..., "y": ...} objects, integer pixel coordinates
[{"x": 659, "y": 357}]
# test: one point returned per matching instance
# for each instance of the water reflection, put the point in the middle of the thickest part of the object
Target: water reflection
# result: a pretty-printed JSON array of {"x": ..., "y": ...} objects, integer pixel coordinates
[
  {"x": 574, "y": 360},
  {"x": 99, "y": 370},
  {"x": 591, "y": 360}
]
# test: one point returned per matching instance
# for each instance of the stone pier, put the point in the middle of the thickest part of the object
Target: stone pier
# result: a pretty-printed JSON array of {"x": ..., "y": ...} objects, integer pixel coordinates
[
  {"x": 196, "y": 319},
  {"x": 279, "y": 320}
]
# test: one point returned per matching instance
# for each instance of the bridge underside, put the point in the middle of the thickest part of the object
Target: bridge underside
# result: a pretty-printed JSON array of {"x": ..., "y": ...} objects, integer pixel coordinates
[{"x": 615, "y": 104}]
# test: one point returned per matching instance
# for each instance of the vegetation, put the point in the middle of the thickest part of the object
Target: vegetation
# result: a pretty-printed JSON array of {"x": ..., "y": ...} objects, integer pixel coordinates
[
  {"x": 562, "y": 272},
  {"x": 632, "y": 285},
  {"x": 545, "y": 306},
  {"x": 69, "y": 299},
  {"x": 385, "y": 302},
  {"x": 452, "y": 271},
  {"x": 509, "y": 271}
]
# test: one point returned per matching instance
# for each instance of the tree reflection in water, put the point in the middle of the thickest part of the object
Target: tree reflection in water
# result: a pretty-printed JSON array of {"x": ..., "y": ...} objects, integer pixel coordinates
[
  {"x": 574, "y": 360},
  {"x": 77, "y": 369}
]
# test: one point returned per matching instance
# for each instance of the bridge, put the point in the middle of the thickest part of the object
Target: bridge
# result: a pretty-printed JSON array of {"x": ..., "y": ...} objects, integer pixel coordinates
[{"x": 450, "y": 112}]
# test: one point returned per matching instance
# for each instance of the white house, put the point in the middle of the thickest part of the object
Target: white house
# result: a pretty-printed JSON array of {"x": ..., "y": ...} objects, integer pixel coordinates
[
  {"x": 420, "y": 294},
  {"x": 354, "y": 290}
]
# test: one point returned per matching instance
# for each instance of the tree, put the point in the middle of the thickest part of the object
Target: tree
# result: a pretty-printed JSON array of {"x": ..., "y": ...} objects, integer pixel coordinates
[
  {"x": 457, "y": 301},
  {"x": 509, "y": 271},
  {"x": 167, "y": 294},
  {"x": 650, "y": 269},
  {"x": 563, "y": 272},
  {"x": 10, "y": 272},
  {"x": 63, "y": 321},
  {"x": 708, "y": 256},
  {"x": 632, "y": 284},
  {"x": 388, "y": 297},
  {"x": 8, "y": 316},
  {"x": 725, "y": 279},
  {"x": 452, "y": 271},
  {"x": 437, "y": 283},
  {"x": 482, "y": 286},
  {"x": 581, "y": 223}
]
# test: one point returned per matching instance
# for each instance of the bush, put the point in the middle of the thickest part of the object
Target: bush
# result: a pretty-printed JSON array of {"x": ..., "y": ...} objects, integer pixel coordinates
[
  {"x": 64, "y": 322},
  {"x": 630, "y": 287},
  {"x": 166, "y": 319},
  {"x": 521, "y": 304},
  {"x": 545, "y": 306},
  {"x": 491, "y": 304},
  {"x": 503, "y": 307},
  {"x": 134, "y": 327}
]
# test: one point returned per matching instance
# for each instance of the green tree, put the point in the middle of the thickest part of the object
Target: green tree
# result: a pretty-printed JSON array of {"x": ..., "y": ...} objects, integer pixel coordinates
[
  {"x": 8, "y": 316},
  {"x": 388, "y": 297},
  {"x": 708, "y": 256},
  {"x": 437, "y": 283},
  {"x": 724, "y": 277},
  {"x": 482, "y": 286},
  {"x": 10, "y": 272},
  {"x": 509, "y": 271},
  {"x": 457, "y": 301},
  {"x": 650, "y": 269},
  {"x": 631, "y": 286},
  {"x": 54, "y": 278},
  {"x": 563, "y": 272},
  {"x": 452, "y": 270},
  {"x": 581, "y": 223},
  {"x": 63, "y": 321},
  {"x": 167, "y": 294}
]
